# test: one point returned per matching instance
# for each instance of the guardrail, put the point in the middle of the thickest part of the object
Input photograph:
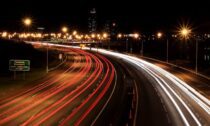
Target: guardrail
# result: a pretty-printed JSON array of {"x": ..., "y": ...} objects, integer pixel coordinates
[{"x": 171, "y": 64}]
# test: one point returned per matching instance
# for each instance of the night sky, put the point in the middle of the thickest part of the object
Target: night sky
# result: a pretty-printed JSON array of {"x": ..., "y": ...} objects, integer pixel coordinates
[{"x": 129, "y": 15}]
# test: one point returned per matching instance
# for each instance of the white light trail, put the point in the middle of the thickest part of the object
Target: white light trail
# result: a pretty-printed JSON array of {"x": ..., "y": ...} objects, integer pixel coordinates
[{"x": 154, "y": 72}]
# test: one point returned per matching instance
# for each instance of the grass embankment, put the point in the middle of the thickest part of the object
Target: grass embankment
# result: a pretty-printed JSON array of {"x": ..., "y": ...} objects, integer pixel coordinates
[{"x": 20, "y": 50}]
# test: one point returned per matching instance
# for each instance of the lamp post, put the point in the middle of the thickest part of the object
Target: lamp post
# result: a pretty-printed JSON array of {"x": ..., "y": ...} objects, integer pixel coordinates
[
  {"x": 142, "y": 47},
  {"x": 135, "y": 36},
  {"x": 93, "y": 38},
  {"x": 98, "y": 40},
  {"x": 105, "y": 36},
  {"x": 27, "y": 22},
  {"x": 47, "y": 68},
  {"x": 64, "y": 30},
  {"x": 196, "y": 56},
  {"x": 159, "y": 36},
  {"x": 185, "y": 33},
  {"x": 126, "y": 43}
]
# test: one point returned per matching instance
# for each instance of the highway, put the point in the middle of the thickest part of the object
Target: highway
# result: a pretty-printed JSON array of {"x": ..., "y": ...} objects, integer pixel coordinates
[
  {"x": 164, "y": 99},
  {"x": 66, "y": 97},
  {"x": 105, "y": 88}
]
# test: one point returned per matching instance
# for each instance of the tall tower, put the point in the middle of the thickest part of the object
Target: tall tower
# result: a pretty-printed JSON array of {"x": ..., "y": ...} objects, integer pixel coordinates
[
  {"x": 107, "y": 27},
  {"x": 92, "y": 21}
]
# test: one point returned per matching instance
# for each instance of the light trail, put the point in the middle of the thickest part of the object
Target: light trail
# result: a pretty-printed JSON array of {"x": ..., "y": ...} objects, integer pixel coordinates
[
  {"x": 16, "y": 109},
  {"x": 83, "y": 72},
  {"x": 169, "y": 83},
  {"x": 103, "y": 82},
  {"x": 189, "y": 91},
  {"x": 76, "y": 93},
  {"x": 37, "y": 88},
  {"x": 34, "y": 91}
]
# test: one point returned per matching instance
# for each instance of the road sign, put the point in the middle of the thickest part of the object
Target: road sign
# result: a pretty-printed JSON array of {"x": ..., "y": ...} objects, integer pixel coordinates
[
  {"x": 19, "y": 65},
  {"x": 60, "y": 56}
]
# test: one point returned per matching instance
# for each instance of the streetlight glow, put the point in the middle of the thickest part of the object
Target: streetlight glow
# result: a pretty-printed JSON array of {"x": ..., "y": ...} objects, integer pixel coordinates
[
  {"x": 185, "y": 31},
  {"x": 93, "y": 35},
  {"x": 159, "y": 34},
  {"x": 136, "y": 35},
  {"x": 119, "y": 35},
  {"x": 4, "y": 34},
  {"x": 64, "y": 29},
  {"x": 27, "y": 21},
  {"x": 74, "y": 33},
  {"x": 105, "y": 35}
]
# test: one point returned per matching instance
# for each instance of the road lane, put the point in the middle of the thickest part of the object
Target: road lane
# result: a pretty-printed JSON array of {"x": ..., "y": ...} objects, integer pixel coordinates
[
  {"x": 170, "y": 100},
  {"x": 53, "y": 101},
  {"x": 186, "y": 107}
]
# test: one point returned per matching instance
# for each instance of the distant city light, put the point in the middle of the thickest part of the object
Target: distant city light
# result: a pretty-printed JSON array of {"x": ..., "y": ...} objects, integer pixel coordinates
[
  {"x": 105, "y": 35},
  {"x": 27, "y": 21},
  {"x": 159, "y": 34},
  {"x": 64, "y": 29},
  {"x": 136, "y": 35},
  {"x": 74, "y": 32},
  {"x": 98, "y": 35},
  {"x": 119, "y": 36},
  {"x": 4, "y": 34},
  {"x": 185, "y": 32},
  {"x": 93, "y": 35}
]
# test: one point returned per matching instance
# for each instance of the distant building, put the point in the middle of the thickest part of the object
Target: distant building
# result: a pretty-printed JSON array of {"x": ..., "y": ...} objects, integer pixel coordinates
[
  {"x": 107, "y": 28},
  {"x": 92, "y": 24},
  {"x": 113, "y": 29},
  {"x": 110, "y": 27}
]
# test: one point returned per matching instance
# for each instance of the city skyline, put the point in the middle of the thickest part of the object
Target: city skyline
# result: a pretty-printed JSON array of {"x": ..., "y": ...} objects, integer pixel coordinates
[{"x": 141, "y": 16}]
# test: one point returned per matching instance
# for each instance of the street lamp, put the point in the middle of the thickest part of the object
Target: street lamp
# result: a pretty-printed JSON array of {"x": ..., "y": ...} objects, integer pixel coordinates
[
  {"x": 185, "y": 33},
  {"x": 159, "y": 36},
  {"x": 119, "y": 36},
  {"x": 64, "y": 29},
  {"x": 135, "y": 36},
  {"x": 93, "y": 35},
  {"x": 47, "y": 67},
  {"x": 74, "y": 33},
  {"x": 196, "y": 55},
  {"x": 105, "y": 36},
  {"x": 27, "y": 22}
]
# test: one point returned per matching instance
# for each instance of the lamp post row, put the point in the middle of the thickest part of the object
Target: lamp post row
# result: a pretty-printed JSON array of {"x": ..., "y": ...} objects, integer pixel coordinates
[{"x": 184, "y": 32}]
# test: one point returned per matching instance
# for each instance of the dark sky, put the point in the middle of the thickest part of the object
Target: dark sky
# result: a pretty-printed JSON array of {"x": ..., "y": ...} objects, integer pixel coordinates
[{"x": 139, "y": 15}]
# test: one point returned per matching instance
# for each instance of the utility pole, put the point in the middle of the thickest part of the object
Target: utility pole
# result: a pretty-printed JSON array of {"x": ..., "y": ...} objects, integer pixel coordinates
[
  {"x": 167, "y": 50},
  {"x": 196, "y": 56},
  {"x": 47, "y": 69}
]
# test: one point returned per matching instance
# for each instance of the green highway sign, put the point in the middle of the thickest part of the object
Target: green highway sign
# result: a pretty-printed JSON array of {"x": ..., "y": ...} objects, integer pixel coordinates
[{"x": 19, "y": 65}]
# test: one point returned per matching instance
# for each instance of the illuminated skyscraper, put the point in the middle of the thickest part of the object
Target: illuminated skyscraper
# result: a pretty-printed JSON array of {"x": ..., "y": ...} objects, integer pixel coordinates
[{"x": 92, "y": 24}]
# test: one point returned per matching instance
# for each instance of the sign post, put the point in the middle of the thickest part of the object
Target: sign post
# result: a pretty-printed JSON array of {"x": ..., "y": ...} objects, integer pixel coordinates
[
  {"x": 60, "y": 56},
  {"x": 19, "y": 65}
]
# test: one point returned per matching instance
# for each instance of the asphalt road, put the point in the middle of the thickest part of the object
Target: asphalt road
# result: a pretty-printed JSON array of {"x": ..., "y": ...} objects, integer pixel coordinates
[
  {"x": 69, "y": 96},
  {"x": 164, "y": 99},
  {"x": 92, "y": 90},
  {"x": 199, "y": 83}
]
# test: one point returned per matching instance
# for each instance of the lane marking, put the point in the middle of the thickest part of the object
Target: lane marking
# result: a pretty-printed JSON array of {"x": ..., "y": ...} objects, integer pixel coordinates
[
  {"x": 94, "y": 121},
  {"x": 137, "y": 103},
  {"x": 178, "y": 97}
]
